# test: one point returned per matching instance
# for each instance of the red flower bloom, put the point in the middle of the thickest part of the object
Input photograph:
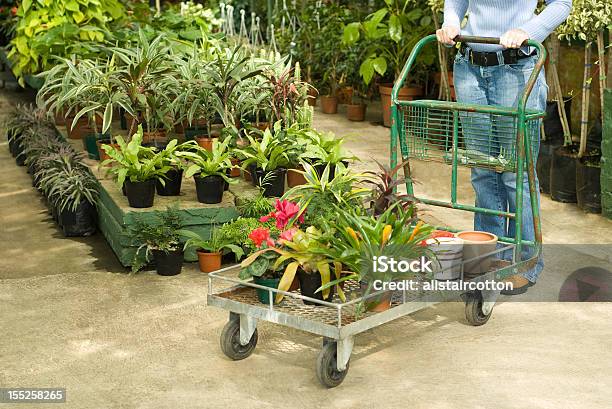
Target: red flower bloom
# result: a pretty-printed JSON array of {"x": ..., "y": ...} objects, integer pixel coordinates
[
  {"x": 287, "y": 235},
  {"x": 285, "y": 211},
  {"x": 261, "y": 235},
  {"x": 14, "y": 11}
]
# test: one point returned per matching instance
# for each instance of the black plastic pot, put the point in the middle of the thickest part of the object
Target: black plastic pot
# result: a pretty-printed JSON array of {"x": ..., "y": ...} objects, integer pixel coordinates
[
  {"x": 332, "y": 169},
  {"x": 141, "y": 195},
  {"x": 252, "y": 169},
  {"x": 547, "y": 149},
  {"x": 588, "y": 184},
  {"x": 552, "y": 122},
  {"x": 272, "y": 182},
  {"x": 79, "y": 223},
  {"x": 563, "y": 174},
  {"x": 209, "y": 189},
  {"x": 225, "y": 183},
  {"x": 168, "y": 264},
  {"x": 309, "y": 284},
  {"x": 172, "y": 183}
]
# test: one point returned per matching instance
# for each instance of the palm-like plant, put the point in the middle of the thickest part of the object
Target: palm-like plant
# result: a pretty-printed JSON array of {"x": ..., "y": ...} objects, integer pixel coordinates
[
  {"x": 140, "y": 77},
  {"x": 227, "y": 70},
  {"x": 217, "y": 243}
]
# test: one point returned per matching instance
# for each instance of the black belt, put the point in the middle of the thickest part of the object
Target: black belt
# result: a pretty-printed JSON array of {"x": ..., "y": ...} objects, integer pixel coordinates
[{"x": 490, "y": 59}]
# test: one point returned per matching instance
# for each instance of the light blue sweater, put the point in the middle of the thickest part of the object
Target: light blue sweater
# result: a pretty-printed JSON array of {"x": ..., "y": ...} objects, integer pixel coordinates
[{"x": 492, "y": 18}]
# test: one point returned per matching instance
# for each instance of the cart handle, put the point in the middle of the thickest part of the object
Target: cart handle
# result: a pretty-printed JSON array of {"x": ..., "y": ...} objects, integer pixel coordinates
[{"x": 480, "y": 40}]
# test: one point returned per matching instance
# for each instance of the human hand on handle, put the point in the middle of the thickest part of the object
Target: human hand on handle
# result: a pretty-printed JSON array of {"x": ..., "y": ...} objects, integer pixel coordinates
[
  {"x": 447, "y": 34},
  {"x": 514, "y": 38}
]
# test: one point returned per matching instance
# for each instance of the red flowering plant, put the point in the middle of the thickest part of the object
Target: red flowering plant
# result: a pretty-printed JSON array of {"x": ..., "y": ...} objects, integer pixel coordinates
[
  {"x": 294, "y": 249},
  {"x": 263, "y": 263}
]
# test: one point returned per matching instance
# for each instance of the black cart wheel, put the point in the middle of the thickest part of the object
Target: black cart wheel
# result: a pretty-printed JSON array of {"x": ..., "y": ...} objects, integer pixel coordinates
[
  {"x": 230, "y": 342},
  {"x": 327, "y": 372},
  {"x": 473, "y": 309}
]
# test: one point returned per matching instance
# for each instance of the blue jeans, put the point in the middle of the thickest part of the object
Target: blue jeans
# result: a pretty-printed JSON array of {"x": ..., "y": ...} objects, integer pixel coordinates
[{"x": 501, "y": 86}]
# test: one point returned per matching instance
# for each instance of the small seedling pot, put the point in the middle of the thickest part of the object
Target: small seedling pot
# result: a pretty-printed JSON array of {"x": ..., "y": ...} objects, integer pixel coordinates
[
  {"x": 449, "y": 254},
  {"x": 210, "y": 189},
  {"x": 476, "y": 244},
  {"x": 140, "y": 195},
  {"x": 168, "y": 264},
  {"x": 209, "y": 262}
]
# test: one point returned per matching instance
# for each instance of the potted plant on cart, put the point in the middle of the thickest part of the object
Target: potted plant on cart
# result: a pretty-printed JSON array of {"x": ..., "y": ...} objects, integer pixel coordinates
[
  {"x": 137, "y": 167},
  {"x": 358, "y": 238},
  {"x": 209, "y": 170},
  {"x": 210, "y": 251},
  {"x": 390, "y": 35},
  {"x": 159, "y": 239}
]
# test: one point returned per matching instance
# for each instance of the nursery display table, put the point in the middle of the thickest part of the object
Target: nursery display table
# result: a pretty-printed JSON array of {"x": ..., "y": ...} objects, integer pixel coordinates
[{"x": 115, "y": 216}]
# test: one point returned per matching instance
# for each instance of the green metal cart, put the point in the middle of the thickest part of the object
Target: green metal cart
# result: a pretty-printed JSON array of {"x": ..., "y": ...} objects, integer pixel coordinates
[
  {"x": 426, "y": 130},
  {"x": 503, "y": 139}
]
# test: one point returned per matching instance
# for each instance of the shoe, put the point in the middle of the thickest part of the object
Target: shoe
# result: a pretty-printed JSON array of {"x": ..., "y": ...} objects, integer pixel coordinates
[{"x": 520, "y": 285}]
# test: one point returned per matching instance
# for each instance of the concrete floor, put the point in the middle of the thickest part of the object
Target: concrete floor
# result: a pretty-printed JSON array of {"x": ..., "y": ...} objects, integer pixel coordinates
[{"x": 73, "y": 318}]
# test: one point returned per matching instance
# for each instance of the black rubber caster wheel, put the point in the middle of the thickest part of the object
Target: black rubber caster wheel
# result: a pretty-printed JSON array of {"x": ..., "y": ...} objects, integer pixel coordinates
[
  {"x": 230, "y": 342},
  {"x": 473, "y": 309},
  {"x": 327, "y": 372}
]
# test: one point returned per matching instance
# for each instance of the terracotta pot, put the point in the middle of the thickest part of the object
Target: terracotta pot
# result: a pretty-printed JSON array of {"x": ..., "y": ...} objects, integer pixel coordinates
[
  {"x": 295, "y": 178},
  {"x": 475, "y": 245},
  {"x": 329, "y": 104},
  {"x": 205, "y": 142},
  {"x": 235, "y": 172},
  {"x": 209, "y": 262},
  {"x": 312, "y": 96},
  {"x": 101, "y": 152},
  {"x": 158, "y": 135},
  {"x": 405, "y": 94},
  {"x": 380, "y": 303},
  {"x": 82, "y": 127},
  {"x": 344, "y": 95},
  {"x": 356, "y": 112},
  {"x": 60, "y": 118}
]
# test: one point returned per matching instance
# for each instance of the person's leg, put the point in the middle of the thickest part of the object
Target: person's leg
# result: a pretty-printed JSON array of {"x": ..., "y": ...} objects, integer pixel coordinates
[
  {"x": 509, "y": 83},
  {"x": 472, "y": 87}
]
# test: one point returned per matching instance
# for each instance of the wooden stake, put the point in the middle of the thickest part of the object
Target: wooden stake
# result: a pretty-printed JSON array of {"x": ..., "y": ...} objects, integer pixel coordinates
[
  {"x": 586, "y": 99},
  {"x": 601, "y": 49},
  {"x": 556, "y": 85},
  {"x": 442, "y": 54}
]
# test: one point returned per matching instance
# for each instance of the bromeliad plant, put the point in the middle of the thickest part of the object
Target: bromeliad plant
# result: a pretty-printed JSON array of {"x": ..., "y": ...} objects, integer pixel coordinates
[
  {"x": 357, "y": 238},
  {"x": 385, "y": 184}
]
